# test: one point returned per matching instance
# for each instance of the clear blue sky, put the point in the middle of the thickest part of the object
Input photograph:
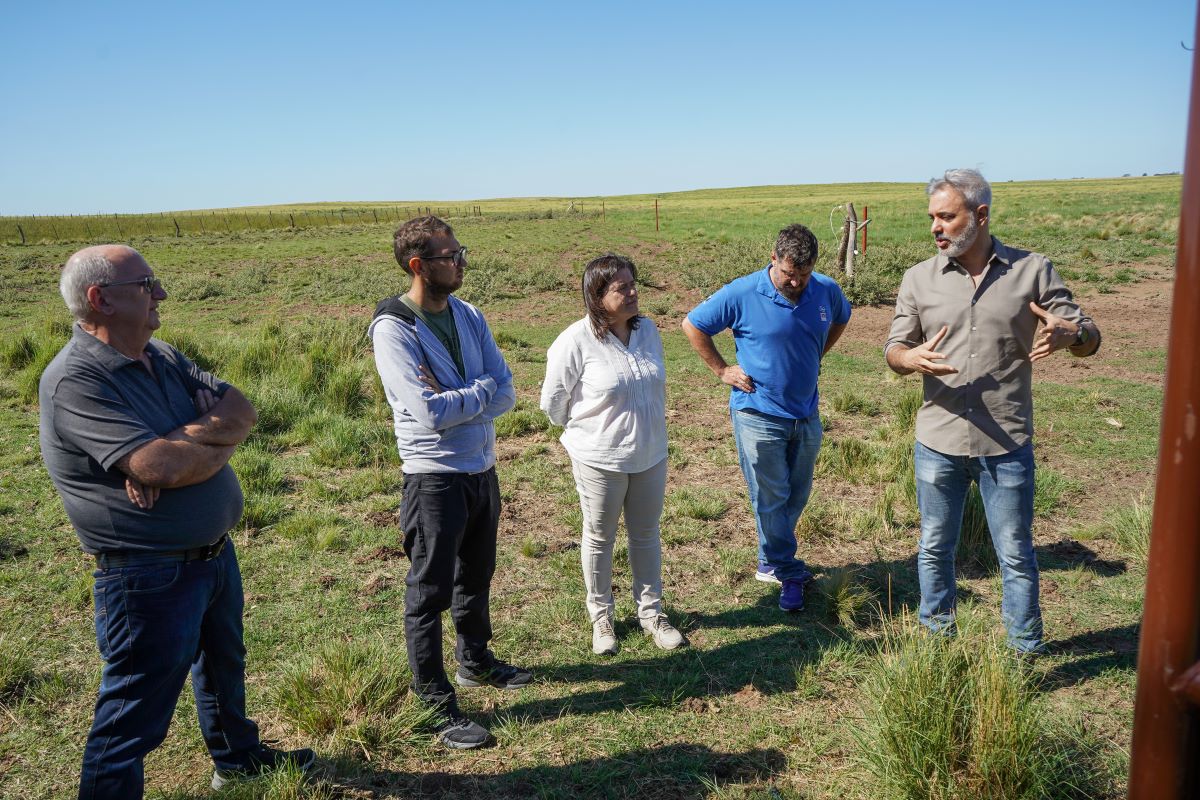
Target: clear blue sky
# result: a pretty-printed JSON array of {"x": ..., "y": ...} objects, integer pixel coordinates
[{"x": 123, "y": 107}]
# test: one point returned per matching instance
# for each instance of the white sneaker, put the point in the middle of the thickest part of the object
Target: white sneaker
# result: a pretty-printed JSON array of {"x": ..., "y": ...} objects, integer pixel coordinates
[
  {"x": 664, "y": 633},
  {"x": 604, "y": 638}
]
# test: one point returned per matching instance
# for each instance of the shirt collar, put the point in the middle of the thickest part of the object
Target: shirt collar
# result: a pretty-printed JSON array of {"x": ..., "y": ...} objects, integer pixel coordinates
[
  {"x": 767, "y": 288},
  {"x": 108, "y": 356},
  {"x": 999, "y": 253}
]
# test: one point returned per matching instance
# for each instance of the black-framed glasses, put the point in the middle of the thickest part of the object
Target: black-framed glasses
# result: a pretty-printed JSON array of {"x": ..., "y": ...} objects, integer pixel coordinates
[
  {"x": 458, "y": 257},
  {"x": 149, "y": 283}
]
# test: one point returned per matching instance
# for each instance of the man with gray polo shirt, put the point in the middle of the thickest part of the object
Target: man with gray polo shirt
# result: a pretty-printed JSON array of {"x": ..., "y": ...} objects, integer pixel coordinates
[
  {"x": 137, "y": 440},
  {"x": 967, "y": 320}
]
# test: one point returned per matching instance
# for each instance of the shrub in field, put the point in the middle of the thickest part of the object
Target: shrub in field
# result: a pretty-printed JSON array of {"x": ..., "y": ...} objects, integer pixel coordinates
[
  {"x": 355, "y": 695},
  {"x": 957, "y": 717},
  {"x": 18, "y": 352},
  {"x": 1130, "y": 527}
]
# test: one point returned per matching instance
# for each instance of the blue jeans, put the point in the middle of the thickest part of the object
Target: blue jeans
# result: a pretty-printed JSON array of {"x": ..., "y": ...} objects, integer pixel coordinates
[
  {"x": 777, "y": 457},
  {"x": 1006, "y": 486},
  {"x": 154, "y": 623}
]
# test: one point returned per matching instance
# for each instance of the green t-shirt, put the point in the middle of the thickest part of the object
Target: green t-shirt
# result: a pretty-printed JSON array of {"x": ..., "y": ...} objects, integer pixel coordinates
[{"x": 442, "y": 325}]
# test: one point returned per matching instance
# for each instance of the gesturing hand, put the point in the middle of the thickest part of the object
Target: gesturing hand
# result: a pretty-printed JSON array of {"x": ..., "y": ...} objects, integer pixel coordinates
[
  {"x": 425, "y": 376},
  {"x": 923, "y": 358},
  {"x": 1056, "y": 333},
  {"x": 736, "y": 377},
  {"x": 140, "y": 495}
]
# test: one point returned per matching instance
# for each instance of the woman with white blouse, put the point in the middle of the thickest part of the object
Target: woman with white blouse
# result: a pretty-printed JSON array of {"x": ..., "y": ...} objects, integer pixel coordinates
[{"x": 606, "y": 385}]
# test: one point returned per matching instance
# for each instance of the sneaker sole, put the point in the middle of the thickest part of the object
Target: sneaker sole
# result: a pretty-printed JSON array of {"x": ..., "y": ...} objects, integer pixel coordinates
[
  {"x": 220, "y": 782},
  {"x": 765, "y": 578},
  {"x": 461, "y": 745},
  {"x": 471, "y": 683}
]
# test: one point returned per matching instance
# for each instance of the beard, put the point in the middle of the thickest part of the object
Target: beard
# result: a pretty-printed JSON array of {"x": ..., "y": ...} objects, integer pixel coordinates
[
  {"x": 962, "y": 243},
  {"x": 443, "y": 286}
]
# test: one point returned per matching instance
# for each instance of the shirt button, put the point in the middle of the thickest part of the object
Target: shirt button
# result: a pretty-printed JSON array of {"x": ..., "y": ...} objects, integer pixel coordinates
[
  {"x": 972, "y": 355},
  {"x": 970, "y": 410},
  {"x": 972, "y": 327}
]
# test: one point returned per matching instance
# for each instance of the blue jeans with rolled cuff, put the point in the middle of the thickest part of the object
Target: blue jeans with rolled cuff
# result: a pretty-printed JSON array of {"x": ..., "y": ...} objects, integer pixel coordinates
[
  {"x": 155, "y": 623},
  {"x": 777, "y": 456},
  {"x": 1006, "y": 486}
]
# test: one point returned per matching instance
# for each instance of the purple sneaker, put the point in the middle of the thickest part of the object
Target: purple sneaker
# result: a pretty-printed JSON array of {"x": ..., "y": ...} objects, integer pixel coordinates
[{"x": 791, "y": 596}]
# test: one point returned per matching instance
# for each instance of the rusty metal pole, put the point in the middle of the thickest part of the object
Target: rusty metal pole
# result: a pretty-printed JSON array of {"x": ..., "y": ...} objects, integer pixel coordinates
[
  {"x": 866, "y": 216},
  {"x": 1166, "y": 749}
]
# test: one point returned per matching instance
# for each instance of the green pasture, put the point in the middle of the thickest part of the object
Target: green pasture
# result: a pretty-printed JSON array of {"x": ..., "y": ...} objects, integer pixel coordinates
[{"x": 843, "y": 700}]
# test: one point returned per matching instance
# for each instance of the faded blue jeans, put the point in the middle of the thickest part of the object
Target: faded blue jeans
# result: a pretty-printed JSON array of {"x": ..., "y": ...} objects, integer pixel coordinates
[
  {"x": 777, "y": 456},
  {"x": 1006, "y": 486}
]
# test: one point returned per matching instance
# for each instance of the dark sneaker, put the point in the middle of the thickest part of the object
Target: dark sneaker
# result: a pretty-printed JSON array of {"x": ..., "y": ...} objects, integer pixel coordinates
[
  {"x": 263, "y": 760},
  {"x": 791, "y": 595},
  {"x": 501, "y": 675},
  {"x": 457, "y": 732}
]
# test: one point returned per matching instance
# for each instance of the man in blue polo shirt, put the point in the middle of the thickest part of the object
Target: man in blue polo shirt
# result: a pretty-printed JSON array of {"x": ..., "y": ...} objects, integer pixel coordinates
[{"x": 784, "y": 319}]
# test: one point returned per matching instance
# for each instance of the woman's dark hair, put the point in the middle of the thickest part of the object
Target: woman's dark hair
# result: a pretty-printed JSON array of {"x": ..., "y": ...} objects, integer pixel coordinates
[{"x": 597, "y": 275}]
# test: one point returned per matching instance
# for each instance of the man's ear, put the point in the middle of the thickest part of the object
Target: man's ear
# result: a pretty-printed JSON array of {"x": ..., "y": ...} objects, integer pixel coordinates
[
  {"x": 414, "y": 265},
  {"x": 982, "y": 214},
  {"x": 96, "y": 301}
]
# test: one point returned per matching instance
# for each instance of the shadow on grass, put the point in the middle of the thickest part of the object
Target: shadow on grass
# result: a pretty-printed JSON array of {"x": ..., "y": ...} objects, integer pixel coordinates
[
  {"x": 672, "y": 772},
  {"x": 1068, "y": 553},
  {"x": 1098, "y": 651}
]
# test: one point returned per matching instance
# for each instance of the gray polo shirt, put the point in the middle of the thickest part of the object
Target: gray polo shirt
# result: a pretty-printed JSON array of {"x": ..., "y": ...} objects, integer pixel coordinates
[
  {"x": 986, "y": 408},
  {"x": 97, "y": 406}
]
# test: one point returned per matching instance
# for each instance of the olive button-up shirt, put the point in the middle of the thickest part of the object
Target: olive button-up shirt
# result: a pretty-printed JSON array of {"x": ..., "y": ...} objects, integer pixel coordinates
[{"x": 986, "y": 408}]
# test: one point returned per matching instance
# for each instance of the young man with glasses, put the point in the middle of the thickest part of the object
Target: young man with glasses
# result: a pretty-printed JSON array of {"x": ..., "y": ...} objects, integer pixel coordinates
[
  {"x": 137, "y": 440},
  {"x": 446, "y": 381}
]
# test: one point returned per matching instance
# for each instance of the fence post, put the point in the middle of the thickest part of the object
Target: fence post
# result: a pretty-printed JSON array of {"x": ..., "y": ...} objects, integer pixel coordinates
[
  {"x": 176, "y": 227},
  {"x": 656, "y": 214},
  {"x": 866, "y": 216},
  {"x": 21, "y": 231},
  {"x": 601, "y": 210}
]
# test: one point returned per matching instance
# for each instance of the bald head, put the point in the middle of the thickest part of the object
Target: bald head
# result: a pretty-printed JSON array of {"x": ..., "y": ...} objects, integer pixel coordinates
[{"x": 94, "y": 265}]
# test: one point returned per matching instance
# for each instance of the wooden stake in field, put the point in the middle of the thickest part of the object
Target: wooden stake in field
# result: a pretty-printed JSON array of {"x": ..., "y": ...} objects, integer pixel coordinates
[{"x": 656, "y": 214}]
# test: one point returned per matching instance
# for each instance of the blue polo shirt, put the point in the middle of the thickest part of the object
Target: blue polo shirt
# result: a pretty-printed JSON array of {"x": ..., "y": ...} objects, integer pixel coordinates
[{"x": 779, "y": 345}]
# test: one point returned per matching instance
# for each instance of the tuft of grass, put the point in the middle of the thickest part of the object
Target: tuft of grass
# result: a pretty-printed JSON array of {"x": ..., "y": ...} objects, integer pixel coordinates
[
  {"x": 18, "y": 352},
  {"x": 532, "y": 548},
  {"x": 975, "y": 549},
  {"x": 848, "y": 402},
  {"x": 958, "y": 717},
  {"x": 16, "y": 671},
  {"x": 910, "y": 403},
  {"x": 320, "y": 530},
  {"x": 520, "y": 422},
  {"x": 354, "y": 695},
  {"x": 846, "y": 597},
  {"x": 1130, "y": 529},
  {"x": 693, "y": 503}
]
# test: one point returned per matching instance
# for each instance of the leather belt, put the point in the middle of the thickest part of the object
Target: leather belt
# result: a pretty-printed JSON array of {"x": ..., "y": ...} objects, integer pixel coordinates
[{"x": 130, "y": 559}]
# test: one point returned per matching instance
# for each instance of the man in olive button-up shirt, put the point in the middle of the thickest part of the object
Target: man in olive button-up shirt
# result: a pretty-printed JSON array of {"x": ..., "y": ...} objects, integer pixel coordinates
[{"x": 968, "y": 320}]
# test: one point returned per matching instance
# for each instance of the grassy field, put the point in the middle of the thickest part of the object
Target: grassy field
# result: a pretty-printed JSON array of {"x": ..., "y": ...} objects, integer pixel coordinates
[{"x": 762, "y": 704}]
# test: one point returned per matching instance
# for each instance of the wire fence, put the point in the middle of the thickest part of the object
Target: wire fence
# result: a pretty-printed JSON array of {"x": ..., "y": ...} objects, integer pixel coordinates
[{"x": 93, "y": 227}]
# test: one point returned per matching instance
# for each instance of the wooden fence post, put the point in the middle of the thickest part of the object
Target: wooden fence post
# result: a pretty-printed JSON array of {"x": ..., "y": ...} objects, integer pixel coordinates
[
  {"x": 656, "y": 214},
  {"x": 21, "y": 231},
  {"x": 176, "y": 227}
]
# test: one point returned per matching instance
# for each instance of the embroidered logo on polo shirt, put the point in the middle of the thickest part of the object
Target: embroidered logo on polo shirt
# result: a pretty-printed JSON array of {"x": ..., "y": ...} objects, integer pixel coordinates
[{"x": 824, "y": 315}]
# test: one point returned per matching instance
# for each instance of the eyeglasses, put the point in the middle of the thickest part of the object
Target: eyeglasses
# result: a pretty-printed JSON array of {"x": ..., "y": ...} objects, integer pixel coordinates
[
  {"x": 458, "y": 257},
  {"x": 149, "y": 284}
]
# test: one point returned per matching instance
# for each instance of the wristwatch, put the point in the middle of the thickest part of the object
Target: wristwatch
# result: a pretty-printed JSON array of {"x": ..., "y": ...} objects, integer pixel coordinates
[{"x": 1082, "y": 336}]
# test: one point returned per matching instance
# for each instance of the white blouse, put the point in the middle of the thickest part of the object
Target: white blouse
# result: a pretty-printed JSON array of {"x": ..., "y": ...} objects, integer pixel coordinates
[{"x": 612, "y": 399}]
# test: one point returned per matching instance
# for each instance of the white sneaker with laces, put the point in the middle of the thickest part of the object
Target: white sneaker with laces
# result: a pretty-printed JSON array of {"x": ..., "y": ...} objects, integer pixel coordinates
[
  {"x": 665, "y": 634},
  {"x": 604, "y": 638}
]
